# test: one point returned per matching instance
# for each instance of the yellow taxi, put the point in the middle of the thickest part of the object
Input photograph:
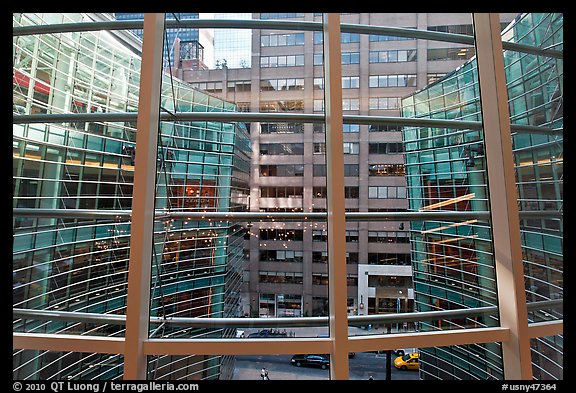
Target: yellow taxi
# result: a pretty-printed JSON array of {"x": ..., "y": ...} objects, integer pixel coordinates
[{"x": 408, "y": 361}]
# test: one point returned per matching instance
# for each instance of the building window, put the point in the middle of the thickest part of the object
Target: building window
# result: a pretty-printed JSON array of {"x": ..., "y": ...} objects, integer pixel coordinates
[
  {"x": 281, "y": 128},
  {"x": 320, "y": 256},
  {"x": 439, "y": 54},
  {"x": 280, "y": 277},
  {"x": 281, "y": 234},
  {"x": 281, "y": 192},
  {"x": 400, "y": 80},
  {"x": 319, "y": 236},
  {"x": 281, "y": 149},
  {"x": 350, "y": 57},
  {"x": 319, "y": 170},
  {"x": 281, "y": 61},
  {"x": 351, "y": 170},
  {"x": 346, "y": 128},
  {"x": 351, "y": 192},
  {"x": 281, "y": 256},
  {"x": 350, "y": 104},
  {"x": 375, "y": 258},
  {"x": 384, "y": 192},
  {"x": 282, "y": 106},
  {"x": 384, "y": 128},
  {"x": 319, "y": 192},
  {"x": 350, "y": 82},
  {"x": 351, "y": 147},
  {"x": 392, "y": 56},
  {"x": 281, "y": 84},
  {"x": 288, "y": 170},
  {"x": 385, "y": 148},
  {"x": 211, "y": 87},
  {"x": 386, "y": 170},
  {"x": 390, "y": 103},
  {"x": 388, "y": 237},
  {"x": 351, "y": 236},
  {"x": 290, "y": 39},
  {"x": 319, "y": 148}
]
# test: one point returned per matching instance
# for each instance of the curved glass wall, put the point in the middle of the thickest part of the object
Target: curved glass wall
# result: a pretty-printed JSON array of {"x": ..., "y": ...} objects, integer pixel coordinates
[
  {"x": 81, "y": 265},
  {"x": 257, "y": 141},
  {"x": 454, "y": 264}
]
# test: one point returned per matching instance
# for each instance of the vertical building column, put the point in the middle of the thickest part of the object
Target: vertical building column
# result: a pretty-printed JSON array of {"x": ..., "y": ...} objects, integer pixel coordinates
[
  {"x": 141, "y": 238},
  {"x": 337, "y": 289},
  {"x": 503, "y": 196}
]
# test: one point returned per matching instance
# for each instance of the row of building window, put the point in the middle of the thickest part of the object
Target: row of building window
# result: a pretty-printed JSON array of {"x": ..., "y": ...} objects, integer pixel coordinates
[
  {"x": 382, "y": 259},
  {"x": 319, "y": 170},
  {"x": 282, "y": 149},
  {"x": 287, "y": 84},
  {"x": 352, "y": 192},
  {"x": 296, "y": 278},
  {"x": 297, "y": 235},
  {"x": 391, "y": 56},
  {"x": 454, "y": 29},
  {"x": 298, "y": 128}
]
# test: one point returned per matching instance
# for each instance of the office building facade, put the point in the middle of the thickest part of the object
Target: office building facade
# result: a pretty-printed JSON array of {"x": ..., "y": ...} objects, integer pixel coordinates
[
  {"x": 288, "y": 273},
  {"x": 81, "y": 265},
  {"x": 454, "y": 264}
]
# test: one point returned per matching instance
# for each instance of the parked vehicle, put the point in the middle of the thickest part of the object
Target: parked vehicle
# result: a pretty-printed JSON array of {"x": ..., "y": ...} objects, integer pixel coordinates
[
  {"x": 407, "y": 362},
  {"x": 265, "y": 333},
  {"x": 322, "y": 361}
]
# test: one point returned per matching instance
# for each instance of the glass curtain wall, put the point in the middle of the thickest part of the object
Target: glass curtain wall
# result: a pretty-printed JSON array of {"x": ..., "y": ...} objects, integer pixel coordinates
[
  {"x": 254, "y": 140},
  {"x": 81, "y": 265},
  {"x": 446, "y": 170}
]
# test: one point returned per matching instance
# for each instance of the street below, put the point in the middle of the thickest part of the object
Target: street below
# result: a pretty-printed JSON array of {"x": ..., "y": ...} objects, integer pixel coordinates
[{"x": 362, "y": 366}]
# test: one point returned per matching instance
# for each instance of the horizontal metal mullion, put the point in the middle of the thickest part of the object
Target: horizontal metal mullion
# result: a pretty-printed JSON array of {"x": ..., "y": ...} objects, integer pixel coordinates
[
  {"x": 355, "y": 320},
  {"x": 72, "y": 213},
  {"x": 245, "y": 24},
  {"x": 271, "y": 117},
  {"x": 276, "y": 25},
  {"x": 411, "y": 121},
  {"x": 271, "y": 216},
  {"x": 250, "y": 216},
  {"x": 71, "y": 316},
  {"x": 77, "y": 27},
  {"x": 164, "y": 116},
  {"x": 407, "y": 32}
]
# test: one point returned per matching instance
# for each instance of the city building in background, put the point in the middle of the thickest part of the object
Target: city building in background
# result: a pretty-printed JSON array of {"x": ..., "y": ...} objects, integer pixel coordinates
[
  {"x": 454, "y": 265},
  {"x": 233, "y": 47},
  {"x": 287, "y": 274},
  {"x": 195, "y": 47},
  {"x": 81, "y": 265}
]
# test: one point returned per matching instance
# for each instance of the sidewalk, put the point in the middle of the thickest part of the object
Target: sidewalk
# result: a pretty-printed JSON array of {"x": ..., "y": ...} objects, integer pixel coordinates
[
  {"x": 316, "y": 331},
  {"x": 299, "y": 332}
]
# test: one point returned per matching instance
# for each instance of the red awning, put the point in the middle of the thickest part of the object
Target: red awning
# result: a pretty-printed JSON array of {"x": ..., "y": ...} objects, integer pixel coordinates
[{"x": 23, "y": 80}]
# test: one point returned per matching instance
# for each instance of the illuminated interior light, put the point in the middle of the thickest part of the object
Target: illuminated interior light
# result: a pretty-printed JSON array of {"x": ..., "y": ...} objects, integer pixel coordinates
[
  {"x": 450, "y": 226},
  {"x": 449, "y": 202},
  {"x": 456, "y": 239}
]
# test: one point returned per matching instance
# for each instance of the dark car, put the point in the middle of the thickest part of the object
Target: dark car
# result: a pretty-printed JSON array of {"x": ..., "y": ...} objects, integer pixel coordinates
[
  {"x": 260, "y": 334},
  {"x": 321, "y": 361}
]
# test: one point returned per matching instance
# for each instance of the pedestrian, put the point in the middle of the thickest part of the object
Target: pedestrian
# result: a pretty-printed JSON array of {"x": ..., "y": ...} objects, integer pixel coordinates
[{"x": 264, "y": 374}]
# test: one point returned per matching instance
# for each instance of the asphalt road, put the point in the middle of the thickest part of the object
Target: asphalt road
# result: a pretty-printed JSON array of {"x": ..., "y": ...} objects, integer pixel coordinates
[{"x": 363, "y": 365}]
